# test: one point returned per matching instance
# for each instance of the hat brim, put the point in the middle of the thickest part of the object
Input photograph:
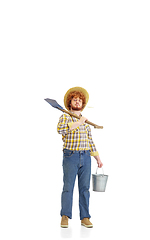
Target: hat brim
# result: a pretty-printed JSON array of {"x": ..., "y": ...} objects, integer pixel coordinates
[{"x": 78, "y": 89}]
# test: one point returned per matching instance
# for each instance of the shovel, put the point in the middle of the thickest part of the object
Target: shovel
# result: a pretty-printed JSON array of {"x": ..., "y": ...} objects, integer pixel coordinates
[{"x": 54, "y": 104}]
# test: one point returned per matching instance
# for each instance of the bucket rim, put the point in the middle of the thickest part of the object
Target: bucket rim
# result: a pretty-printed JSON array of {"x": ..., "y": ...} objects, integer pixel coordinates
[{"x": 99, "y": 175}]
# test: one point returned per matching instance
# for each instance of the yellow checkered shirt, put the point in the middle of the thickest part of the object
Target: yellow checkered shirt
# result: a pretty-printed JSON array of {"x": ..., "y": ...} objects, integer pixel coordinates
[{"x": 78, "y": 139}]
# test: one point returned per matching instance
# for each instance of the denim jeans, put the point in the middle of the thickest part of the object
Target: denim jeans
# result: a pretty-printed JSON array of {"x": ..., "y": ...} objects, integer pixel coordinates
[{"x": 76, "y": 163}]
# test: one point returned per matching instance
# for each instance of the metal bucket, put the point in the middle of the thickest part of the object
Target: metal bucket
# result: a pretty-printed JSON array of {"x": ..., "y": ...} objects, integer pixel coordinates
[{"x": 99, "y": 181}]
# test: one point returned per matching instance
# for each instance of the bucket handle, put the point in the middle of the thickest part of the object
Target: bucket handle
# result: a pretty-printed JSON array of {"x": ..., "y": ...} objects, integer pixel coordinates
[{"x": 102, "y": 170}]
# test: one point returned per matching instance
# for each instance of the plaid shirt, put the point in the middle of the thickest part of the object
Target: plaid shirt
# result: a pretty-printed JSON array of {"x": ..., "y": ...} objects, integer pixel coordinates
[{"x": 77, "y": 139}]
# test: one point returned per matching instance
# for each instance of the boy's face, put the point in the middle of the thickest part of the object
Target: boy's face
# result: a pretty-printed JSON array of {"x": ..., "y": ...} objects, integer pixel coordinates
[{"x": 76, "y": 104}]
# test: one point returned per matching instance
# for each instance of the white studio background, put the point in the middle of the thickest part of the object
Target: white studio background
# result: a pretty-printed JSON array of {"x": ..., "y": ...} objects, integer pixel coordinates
[{"x": 46, "y": 48}]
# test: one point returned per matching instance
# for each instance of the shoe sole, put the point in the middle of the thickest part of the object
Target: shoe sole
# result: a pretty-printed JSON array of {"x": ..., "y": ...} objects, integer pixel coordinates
[
  {"x": 87, "y": 226},
  {"x": 64, "y": 226}
]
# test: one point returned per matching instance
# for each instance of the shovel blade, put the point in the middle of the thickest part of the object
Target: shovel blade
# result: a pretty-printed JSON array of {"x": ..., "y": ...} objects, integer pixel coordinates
[{"x": 53, "y": 103}]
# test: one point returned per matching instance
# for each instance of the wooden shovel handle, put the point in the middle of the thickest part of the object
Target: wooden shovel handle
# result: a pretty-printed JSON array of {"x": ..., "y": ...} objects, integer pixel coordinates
[{"x": 76, "y": 116}]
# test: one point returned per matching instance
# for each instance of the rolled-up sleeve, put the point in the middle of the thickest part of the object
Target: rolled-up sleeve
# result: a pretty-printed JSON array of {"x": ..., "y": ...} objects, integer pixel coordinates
[
  {"x": 93, "y": 149},
  {"x": 62, "y": 126}
]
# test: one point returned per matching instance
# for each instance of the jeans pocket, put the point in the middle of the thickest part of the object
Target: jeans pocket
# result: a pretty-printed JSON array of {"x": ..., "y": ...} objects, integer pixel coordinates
[
  {"x": 67, "y": 153},
  {"x": 88, "y": 153}
]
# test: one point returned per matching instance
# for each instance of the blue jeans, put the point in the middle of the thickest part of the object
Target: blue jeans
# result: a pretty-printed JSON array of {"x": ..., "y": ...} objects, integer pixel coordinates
[{"x": 76, "y": 163}]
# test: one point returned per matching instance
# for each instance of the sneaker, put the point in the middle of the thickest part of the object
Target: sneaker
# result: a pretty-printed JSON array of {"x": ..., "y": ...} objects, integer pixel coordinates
[
  {"x": 86, "y": 223},
  {"x": 64, "y": 222}
]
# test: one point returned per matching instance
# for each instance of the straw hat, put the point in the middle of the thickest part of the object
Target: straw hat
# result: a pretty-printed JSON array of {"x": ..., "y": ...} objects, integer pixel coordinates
[{"x": 78, "y": 89}]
